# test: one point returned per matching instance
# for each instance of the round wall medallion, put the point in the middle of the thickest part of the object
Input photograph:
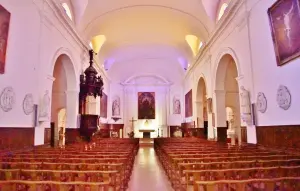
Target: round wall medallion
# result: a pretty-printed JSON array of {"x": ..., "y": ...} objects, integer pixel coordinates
[
  {"x": 28, "y": 105},
  {"x": 261, "y": 102},
  {"x": 7, "y": 99},
  {"x": 284, "y": 97}
]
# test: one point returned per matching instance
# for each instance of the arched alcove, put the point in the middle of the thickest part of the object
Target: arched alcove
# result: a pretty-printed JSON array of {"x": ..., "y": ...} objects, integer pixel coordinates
[
  {"x": 65, "y": 81},
  {"x": 227, "y": 95},
  {"x": 201, "y": 106}
]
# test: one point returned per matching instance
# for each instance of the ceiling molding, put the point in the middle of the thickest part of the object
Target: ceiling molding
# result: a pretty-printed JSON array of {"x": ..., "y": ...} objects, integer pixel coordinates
[
  {"x": 156, "y": 80},
  {"x": 233, "y": 9}
]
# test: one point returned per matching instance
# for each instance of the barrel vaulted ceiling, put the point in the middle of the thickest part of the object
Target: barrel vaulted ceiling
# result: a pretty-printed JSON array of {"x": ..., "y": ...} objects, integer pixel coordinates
[{"x": 135, "y": 29}]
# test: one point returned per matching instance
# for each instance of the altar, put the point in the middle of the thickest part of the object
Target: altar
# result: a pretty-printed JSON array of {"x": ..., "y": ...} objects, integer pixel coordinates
[{"x": 146, "y": 132}]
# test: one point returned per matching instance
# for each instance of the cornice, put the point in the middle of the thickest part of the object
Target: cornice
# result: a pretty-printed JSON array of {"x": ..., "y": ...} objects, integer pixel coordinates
[
  {"x": 58, "y": 11},
  {"x": 217, "y": 32}
]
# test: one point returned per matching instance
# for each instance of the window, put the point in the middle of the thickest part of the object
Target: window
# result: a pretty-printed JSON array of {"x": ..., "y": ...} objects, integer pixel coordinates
[
  {"x": 67, "y": 10},
  {"x": 91, "y": 45},
  {"x": 222, "y": 10},
  {"x": 200, "y": 45}
]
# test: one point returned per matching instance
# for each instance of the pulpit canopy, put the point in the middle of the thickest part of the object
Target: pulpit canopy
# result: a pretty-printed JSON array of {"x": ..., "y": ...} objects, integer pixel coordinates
[{"x": 90, "y": 83}]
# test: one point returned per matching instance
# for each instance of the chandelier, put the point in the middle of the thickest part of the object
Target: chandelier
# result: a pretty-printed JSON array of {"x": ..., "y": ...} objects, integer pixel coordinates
[{"x": 90, "y": 83}]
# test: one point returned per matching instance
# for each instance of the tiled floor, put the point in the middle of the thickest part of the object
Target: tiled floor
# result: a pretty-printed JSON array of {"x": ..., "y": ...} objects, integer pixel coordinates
[{"x": 148, "y": 175}]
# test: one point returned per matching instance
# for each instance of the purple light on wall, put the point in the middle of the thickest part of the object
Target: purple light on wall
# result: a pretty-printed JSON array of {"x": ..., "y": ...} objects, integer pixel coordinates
[
  {"x": 108, "y": 63},
  {"x": 183, "y": 62}
]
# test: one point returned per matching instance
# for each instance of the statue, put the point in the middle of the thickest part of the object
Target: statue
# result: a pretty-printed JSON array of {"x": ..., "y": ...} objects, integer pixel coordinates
[
  {"x": 245, "y": 106},
  {"x": 44, "y": 109},
  {"x": 116, "y": 107},
  {"x": 61, "y": 136},
  {"x": 245, "y": 101},
  {"x": 176, "y": 106}
]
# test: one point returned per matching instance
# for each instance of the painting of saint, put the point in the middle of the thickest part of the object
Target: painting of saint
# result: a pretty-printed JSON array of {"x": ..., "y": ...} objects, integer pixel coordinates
[
  {"x": 284, "y": 18},
  {"x": 146, "y": 105},
  {"x": 189, "y": 104},
  {"x": 4, "y": 28},
  {"x": 116, "y": 106},
  {"x": 176, "y": 105}
]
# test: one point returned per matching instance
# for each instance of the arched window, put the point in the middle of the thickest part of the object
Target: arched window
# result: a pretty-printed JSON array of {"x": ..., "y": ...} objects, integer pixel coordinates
[
  {"x": 222, "y": 10},
  {"x": 67, "y": 10},
  {"x": 91, "y": 45}
]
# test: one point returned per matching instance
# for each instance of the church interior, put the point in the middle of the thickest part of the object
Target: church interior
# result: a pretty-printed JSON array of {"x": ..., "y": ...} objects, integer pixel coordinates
[{"x": 142, "y": 95}]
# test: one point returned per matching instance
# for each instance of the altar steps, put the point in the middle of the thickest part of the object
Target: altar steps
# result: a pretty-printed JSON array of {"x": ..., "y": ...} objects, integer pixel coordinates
[{"x": 146, "y": 142}]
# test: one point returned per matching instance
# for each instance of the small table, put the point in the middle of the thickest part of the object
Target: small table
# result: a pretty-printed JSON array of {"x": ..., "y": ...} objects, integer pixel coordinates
[{"x": 146, "y": 132}]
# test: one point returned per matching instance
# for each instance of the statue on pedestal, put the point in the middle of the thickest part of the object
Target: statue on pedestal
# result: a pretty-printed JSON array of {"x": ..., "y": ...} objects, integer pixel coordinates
[{"x": 246, "y": 113}]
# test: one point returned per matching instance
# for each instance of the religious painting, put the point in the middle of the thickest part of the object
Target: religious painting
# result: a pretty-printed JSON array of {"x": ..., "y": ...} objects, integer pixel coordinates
[
  {"x": 284, "y": 18},
  {"x": 116, "y": 106},
  {"x": 4, "y": 27},
  {"x": 103, "y": 106},
  {"x": 146, "y": 105},
  {"x": 176, "y": 105},
  {"x": 189, "y": 104}
]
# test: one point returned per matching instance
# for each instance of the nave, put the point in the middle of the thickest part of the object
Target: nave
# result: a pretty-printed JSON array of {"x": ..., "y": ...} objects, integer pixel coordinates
[
  {"x": 148, "y": 173},
  {"x": 183, "y": 164}
]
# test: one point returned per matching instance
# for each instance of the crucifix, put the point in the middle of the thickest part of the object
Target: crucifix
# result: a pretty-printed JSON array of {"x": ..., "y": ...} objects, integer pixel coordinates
[{"x": 132, "y": 121}]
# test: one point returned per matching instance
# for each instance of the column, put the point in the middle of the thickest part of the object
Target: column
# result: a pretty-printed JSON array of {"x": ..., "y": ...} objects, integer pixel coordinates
[
  {"x": 72, "y": 103},
  {"x": 220, "y": 115}
]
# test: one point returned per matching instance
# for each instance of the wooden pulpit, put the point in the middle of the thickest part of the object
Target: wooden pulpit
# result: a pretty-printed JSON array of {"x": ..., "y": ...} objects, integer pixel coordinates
[{"x": 88, "y": 125}]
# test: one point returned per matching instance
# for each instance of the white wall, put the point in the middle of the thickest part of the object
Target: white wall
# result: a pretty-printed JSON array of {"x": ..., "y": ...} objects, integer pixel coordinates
[
  {"x": 21, "y": 60},
  {"x": 37, "y": 37},
  {"x": 267, "y": 75},
  {"x": 250, "y": 44}
]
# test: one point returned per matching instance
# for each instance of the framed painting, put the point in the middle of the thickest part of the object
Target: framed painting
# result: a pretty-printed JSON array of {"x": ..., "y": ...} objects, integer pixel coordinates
[
  {"x": 189, "y": 104},
  {"x": 146, "y": 105},
  {"x": 103, "y": 106},
  {"x": 284, "y": 16},
  {"x": 4, "y": 28}
]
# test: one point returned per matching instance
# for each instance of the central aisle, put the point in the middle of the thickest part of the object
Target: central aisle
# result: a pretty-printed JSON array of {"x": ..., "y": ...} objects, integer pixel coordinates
[{"x": 148, "y": 175}]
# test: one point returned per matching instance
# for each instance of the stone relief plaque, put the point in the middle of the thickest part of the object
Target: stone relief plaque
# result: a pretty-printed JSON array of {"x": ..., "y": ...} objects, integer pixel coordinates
[
  {"x": 28, "y": 105},
  {"x": 261, "y": 102},
  {"x": 44, "y": 109},
  {"x": 284, "y": 98},
  {"x": 7, "y": 99}
]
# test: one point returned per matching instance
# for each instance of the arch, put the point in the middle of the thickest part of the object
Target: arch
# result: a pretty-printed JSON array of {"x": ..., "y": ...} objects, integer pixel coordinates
[
  {"x": 220, "y": 66},
  {"x": 201, "y": 102},
  {"x": 201, "y": 88},
  {"x": 68, "y": 64},
  {"x": 227, "y": 92}
]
